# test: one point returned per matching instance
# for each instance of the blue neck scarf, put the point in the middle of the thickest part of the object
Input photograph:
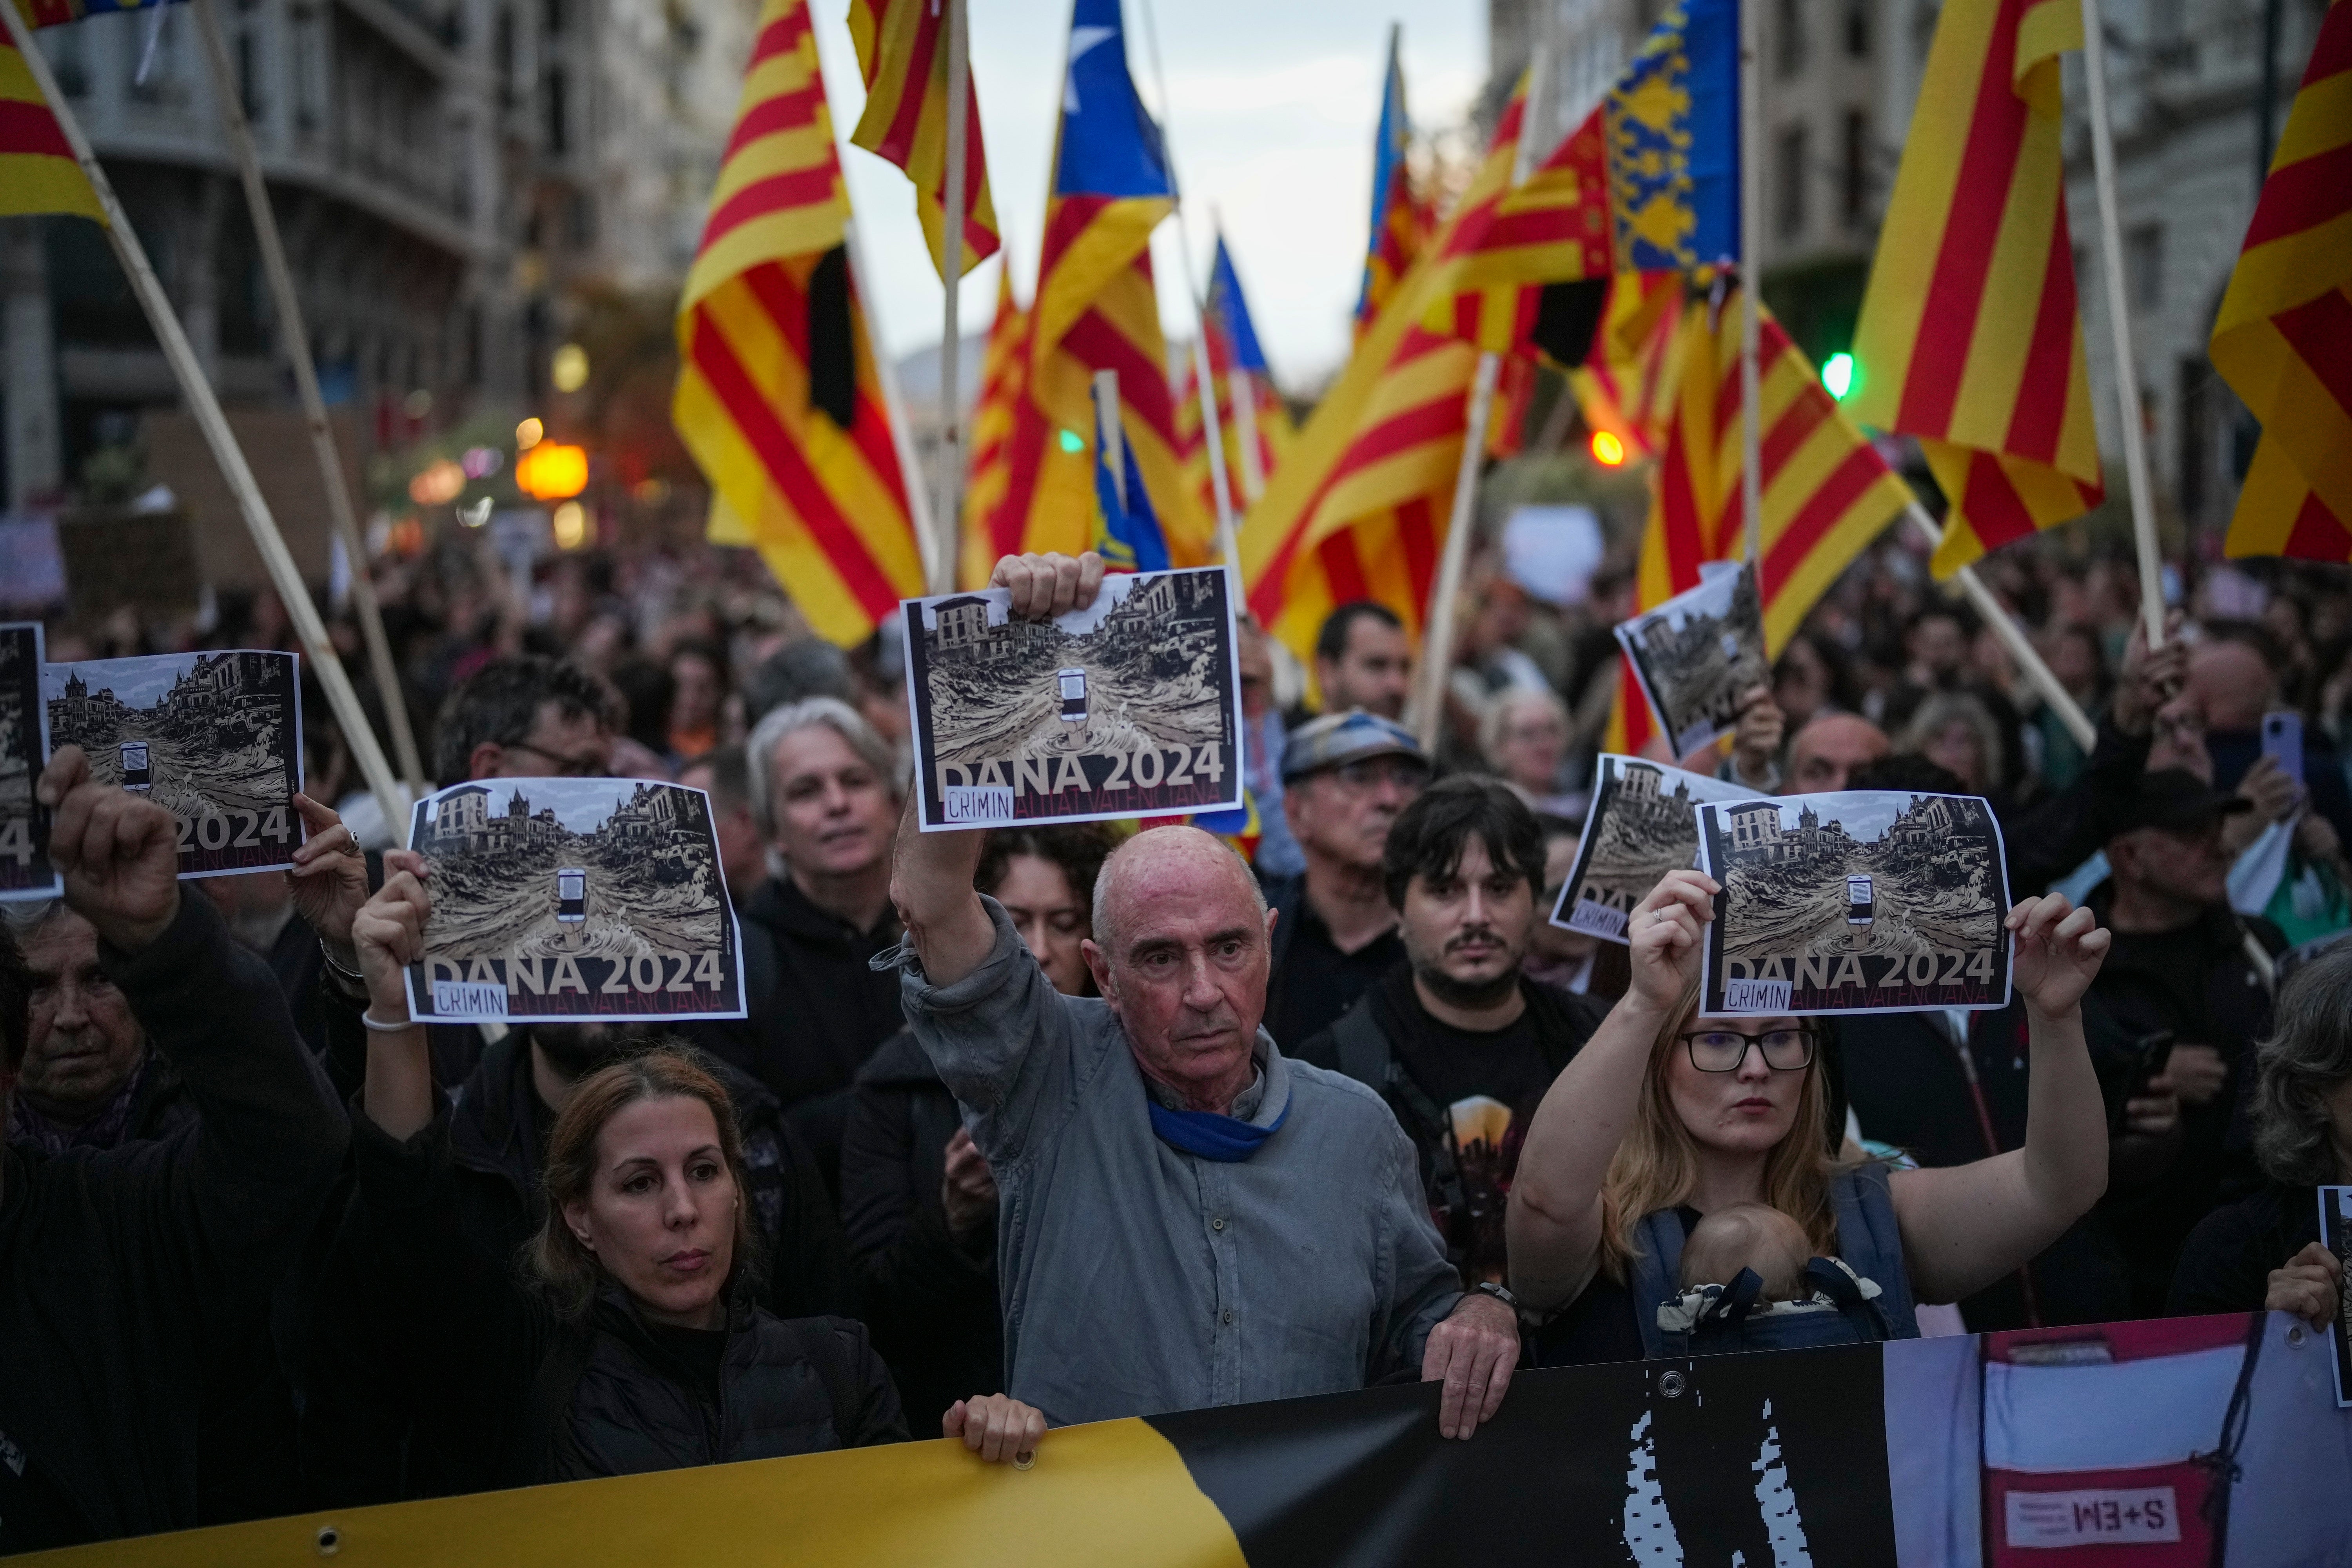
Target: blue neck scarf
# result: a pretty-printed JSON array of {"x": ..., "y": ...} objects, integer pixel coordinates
[{"x": 1225, "y": 1139}]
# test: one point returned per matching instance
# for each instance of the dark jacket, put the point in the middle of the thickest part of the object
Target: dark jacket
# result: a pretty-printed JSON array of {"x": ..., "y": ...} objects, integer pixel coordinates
[
  {"x": 1466, "y": 1196},
  {"x": 123, "y": 1269},
  {"x": 363, "y": 1416},
  {"x": 1911, "y": 1087},
  {"x": 817, "y": 1011},
  {"x": 535, "y": 1398},
  {"x": 2050, "y": 839},
  {"x": 2225, "y": 1265},
  {"x": 930, "y": 1299},
  {"x": 2136, "y": 994}
]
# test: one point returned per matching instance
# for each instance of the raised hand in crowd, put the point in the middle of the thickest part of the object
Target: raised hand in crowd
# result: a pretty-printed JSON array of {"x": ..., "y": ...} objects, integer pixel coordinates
[
  {"x": 329, "y": 877},
  {"x": 2149, "y": 681},
  {"x": 2059, "y": 950},
  {"x": 2310, "y": 1286},
  {"x": 968, "y": 1190},
  {"x": 389, "y": 935},
  {"x": 118, "y": 852},
  {"x": 1756, "y": 744}
]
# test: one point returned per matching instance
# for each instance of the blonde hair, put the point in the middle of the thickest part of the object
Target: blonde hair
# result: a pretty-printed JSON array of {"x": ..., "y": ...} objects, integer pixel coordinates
[{"x": 1656, "y": 1165}]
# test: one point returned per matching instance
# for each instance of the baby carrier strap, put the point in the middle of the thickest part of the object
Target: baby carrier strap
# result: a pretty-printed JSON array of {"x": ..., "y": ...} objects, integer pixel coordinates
[{"x": 1870, "y": 1243}]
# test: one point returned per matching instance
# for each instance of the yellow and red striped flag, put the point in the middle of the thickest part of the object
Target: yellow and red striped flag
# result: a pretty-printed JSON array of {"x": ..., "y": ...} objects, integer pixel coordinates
[
  {"x": 38, "y": 171},
  {"x": 1969, "y": 337},
  {"x": 1096, "y": 309},
  {"x": 902, "y": 52},
  {"x": 1358, "y": 509},
  {"x": 777, "y": 397},
  {"x": 1552, "y": 228},
  {"x": 1626, "y": 385},
  {"x": 2284, "y": 337},
  {"x": 1827, "y": 493},
  {"x": 1401, "y": 220},
  {"x": 1003, "y": 388}
]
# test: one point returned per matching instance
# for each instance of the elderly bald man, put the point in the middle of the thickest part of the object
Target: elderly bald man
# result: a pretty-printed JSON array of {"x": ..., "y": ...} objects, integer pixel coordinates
[{"x": 1189, "y": 1218}]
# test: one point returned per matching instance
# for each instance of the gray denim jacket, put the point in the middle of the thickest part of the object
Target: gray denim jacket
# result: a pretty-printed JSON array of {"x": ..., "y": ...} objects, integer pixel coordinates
[{"x": 1139, "y": 1278}]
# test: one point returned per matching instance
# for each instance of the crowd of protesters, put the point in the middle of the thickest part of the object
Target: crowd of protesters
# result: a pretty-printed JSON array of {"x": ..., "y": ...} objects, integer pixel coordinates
[{"x": 1058, "y": 1124}]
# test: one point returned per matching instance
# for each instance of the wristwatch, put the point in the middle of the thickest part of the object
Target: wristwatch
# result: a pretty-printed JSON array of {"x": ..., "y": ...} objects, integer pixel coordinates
[{"x": 1500, "y": 1293}]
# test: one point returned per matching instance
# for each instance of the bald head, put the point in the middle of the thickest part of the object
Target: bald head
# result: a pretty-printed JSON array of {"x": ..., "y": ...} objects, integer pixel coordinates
[
  {"x": 1827, "y": 751},
  {"x": 2231, "y": 684},
  {"x": 1169, "y": 862}
]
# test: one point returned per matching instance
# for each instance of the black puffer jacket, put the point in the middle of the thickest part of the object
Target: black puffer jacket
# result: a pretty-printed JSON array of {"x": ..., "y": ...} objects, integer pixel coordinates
[
  {"x": 930, "y": 1298},
  {"x": 540, "y": 1399}
]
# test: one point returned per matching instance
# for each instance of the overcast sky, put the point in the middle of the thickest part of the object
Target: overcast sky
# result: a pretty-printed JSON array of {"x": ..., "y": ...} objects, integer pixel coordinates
[{"x": 1274, "y": 104}]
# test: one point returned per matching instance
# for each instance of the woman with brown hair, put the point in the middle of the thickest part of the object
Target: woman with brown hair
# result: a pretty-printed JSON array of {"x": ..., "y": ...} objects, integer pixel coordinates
[
  {"x": 1664, "y": 1117},
  {"x": 632, "y": 1340}
]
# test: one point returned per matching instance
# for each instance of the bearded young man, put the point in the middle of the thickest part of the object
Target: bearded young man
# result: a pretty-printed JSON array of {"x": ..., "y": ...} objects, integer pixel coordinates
[{"x": 1188, "y": 1217}]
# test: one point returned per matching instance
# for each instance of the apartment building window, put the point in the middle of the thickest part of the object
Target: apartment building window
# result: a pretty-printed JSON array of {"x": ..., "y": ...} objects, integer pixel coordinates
[
  {"x": 1788, "y": 177},
  {"x": 310, "y": 46},
  {"x": 1857, "y": 29},
  {"x": 2144, "y": 266},
  {"x": 248, "y": 71},
  {"x": 1792, "y": 54},
  {"x": 1856, "y": 190},
  {"x": 558, "y": 140}
]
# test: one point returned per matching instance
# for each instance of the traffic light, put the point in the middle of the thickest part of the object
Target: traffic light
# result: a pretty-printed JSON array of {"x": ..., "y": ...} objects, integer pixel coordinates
[{"x": 1841, "y": 375}]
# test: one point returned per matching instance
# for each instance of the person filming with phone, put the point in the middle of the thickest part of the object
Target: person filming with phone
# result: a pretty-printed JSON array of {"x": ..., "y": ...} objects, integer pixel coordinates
[{"x": 1665, "y": 1117}]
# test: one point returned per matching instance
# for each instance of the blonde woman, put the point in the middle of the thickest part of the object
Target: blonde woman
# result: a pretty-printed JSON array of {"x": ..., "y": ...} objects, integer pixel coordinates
[{"x": 1664, "y": 1117}]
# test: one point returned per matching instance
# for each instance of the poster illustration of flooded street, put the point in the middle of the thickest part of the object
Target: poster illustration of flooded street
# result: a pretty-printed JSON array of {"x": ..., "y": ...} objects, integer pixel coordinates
[
  {"x": 25, "y": 868},
  {"x": 1868, "y": 902},
  {"x": 1127, "y": 708},
  {"x": 1644, "y": 824},
  {"x": 572, "y": 900},
  {"x": 1698, "y": 653},
  {"x": 215, "y": 739}
]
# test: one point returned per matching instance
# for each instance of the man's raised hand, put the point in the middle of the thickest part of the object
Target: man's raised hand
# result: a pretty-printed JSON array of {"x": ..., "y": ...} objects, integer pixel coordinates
[
  {"x": 118, "y": 852},
  {"x": 1048, "y": 584}
]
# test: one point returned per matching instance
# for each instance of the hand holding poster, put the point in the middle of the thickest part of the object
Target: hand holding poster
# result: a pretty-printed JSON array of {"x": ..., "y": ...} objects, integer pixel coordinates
[
  {"x": 1698, "y": 653},
  {"x": 25, "y": 868},
  {"x": 563, "y": 901},
  {"x": 1644, "y": 824},
  {"x": 1127, "y": 708},
  {"x": 215, "y": 739},
  {"x": 1869, "y": 901}
]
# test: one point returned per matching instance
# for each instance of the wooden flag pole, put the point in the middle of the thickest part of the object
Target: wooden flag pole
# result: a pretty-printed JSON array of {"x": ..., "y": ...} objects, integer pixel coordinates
[
  {"x": 943, "y": 553},
  {"x": 2103, "y": 170},
  {"x": 1437, "y": 642},
  {"x": 1751, "y": 280},
  {"x": 294, "y": 337},
  {"x": 1108, "y": 431},
  {"x": 283, "y": 574},
  {"x": 2012, "y": 636}
]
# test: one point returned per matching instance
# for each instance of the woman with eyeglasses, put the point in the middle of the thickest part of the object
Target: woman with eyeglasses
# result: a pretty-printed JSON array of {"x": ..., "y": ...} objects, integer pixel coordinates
[{"x": 1664, "y": 1117}]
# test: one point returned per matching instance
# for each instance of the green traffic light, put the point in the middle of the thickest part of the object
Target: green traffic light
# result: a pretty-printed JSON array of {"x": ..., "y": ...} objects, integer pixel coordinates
[
  {"x": 1840, "y": 376},
  {"x": 1073, "y": 442}
]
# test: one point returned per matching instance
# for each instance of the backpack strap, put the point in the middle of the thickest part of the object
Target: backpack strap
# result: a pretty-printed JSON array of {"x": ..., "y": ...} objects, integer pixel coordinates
[
  {"x": 1364, "y": 1053},
  {"x": 1650, "y": 1277},
  {"x": 1870, "y": 1243},
  {"x": 1366, "y": 1056},
  {"x": 819, "y": 1343},
  {"x": 1827, "y": 1277}
]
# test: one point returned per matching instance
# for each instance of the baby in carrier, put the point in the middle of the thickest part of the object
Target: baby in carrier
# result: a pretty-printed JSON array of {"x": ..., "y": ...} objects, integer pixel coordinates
[{"x": 1749, "y": 1280}]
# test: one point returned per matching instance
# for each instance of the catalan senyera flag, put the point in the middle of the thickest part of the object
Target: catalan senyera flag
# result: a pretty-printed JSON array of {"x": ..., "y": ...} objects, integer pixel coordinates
[
  {"x": 902, "y": 50},
  {"x": 1401, "y": 224},
  {"x": 1549, "y": 230},
  {"x": 1626, "y": 383},
  {"x": 1234, "y": 352},
  {"x": 2284, "y": 337},
  {"x": 777, "y": 397},
  {"x": 38, "y": 171},
  {"x": 1827, "y": 493},
  {"x": 1096, "y": 309},
  {"x": 1357, "y": 510},
  {"x": 1970, "y": 338},
  {"x": 988, "y": 471}
]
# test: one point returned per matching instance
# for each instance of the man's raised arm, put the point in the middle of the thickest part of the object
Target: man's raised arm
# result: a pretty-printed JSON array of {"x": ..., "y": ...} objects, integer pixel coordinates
[{"x": 931, "y": 873}]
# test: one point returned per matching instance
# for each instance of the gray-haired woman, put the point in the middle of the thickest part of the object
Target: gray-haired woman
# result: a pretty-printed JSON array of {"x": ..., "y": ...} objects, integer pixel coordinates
[{"x": 2265, "y": 1252}]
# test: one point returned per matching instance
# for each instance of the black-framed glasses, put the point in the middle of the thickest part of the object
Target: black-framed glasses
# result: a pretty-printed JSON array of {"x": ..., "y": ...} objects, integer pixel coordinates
[
  {"x": 1723, "y": 1050},
  {"x": 566, "y": 767}
]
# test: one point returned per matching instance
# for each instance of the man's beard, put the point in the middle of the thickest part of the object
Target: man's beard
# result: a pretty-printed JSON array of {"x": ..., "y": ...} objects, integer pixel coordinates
[
  {"x": 1470, "y": 995},
  {"x": 575, "y": 1050}
]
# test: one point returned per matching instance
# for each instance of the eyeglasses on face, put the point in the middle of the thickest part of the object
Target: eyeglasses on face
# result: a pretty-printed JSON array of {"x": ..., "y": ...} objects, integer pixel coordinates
[
  {"x": 1364, "y": 774},
  {"x": 1723, "y": 1050},
  {"x": 564, "y": 767}
]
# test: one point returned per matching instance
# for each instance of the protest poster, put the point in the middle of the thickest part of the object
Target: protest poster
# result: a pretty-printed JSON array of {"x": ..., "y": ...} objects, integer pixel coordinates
[
  {"x": 2336, "y": 1234},
  {"x": 1868, "y": 902},
  {"x": 569, "y": 900},
  {"x": 215, "y": 739},
  {"x": 1644, "y": 824},
  {"x": 24, "y": 869},
  {"x": 1127, "y": 708},
  {"x": 1698, "y": 653}
]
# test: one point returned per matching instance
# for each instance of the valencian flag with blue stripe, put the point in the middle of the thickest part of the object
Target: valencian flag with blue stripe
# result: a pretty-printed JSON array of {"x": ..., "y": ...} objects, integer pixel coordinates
[
  {"x": 1127, "y": 534},
  {"x": 2176, "y": 1443},
  {"x": 1673, "y": 122},
  {"x": 1095, "y": 309},
  {"x": 1233, "y": 352},
  {"x": 1401, "y": 224}
]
